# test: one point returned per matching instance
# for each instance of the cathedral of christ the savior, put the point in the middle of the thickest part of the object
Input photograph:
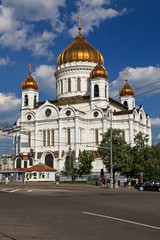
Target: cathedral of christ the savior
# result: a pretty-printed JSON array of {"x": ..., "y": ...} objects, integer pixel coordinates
[{"x": 80, "y": 114}]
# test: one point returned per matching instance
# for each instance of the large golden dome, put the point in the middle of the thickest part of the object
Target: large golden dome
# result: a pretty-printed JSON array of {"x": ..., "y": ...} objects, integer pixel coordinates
[
  {"x": 29, "y": 83},
  {"x": 126, "y": 90},
  {"x": 98, "y": 72},
  {"x": 79, "y": 50}
]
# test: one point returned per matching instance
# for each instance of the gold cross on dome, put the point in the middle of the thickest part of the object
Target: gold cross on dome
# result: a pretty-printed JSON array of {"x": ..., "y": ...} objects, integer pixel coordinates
[
  {"x": 79, "y": 18},
  {"x": 79, "y": 28},
  {"x": 29, "y": 68},
  {"x": 126, "y": 75}
]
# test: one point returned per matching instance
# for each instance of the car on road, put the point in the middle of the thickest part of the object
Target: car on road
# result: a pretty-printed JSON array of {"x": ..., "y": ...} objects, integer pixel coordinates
[{"x": 150, "y": 185}]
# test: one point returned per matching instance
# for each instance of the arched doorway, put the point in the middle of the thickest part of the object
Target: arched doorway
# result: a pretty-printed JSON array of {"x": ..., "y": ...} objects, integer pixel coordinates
[{"x": 49, "y": 160}]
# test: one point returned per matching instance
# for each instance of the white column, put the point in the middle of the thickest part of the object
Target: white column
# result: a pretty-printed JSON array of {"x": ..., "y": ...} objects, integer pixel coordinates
[
  {"x": 59, "y": 136},
  {"x": 104, "y": 125},
  {"x": 76, "y": 136},
  {"x": 131, "y": 136}
]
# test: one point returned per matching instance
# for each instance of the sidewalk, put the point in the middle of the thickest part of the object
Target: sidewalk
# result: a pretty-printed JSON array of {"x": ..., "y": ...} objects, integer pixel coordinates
[{"x": 51, "y": 185}]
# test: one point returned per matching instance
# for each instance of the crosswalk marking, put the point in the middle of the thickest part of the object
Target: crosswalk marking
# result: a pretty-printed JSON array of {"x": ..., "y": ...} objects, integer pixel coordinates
[{"x": 15, "y": 190}]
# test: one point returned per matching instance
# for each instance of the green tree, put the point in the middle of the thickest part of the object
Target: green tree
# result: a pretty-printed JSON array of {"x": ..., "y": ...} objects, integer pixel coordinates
[
  {"x": 145, "y": 158},
  {"x": 71, "y": 168},
  {"x": 121, "y": 152},
  {"x": 85, "y": 162}
]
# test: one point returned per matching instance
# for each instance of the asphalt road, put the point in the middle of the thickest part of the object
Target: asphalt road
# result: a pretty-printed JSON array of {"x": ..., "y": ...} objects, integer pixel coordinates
[{"x": 76, "y": 213}]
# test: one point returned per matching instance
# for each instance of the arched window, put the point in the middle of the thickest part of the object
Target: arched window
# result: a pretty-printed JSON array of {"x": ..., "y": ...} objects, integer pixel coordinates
[
  {"x": 35, "y": 100},
  {"x": 69, "y": 85},
  {"x": 61, "y": 87},
  {"x": 48, "y": 138},
  {"x": 125, "y": 103},
  {"x": 29, "y": 139},
  {"x": 26, "y": 100},
  {"x": 96, "y": 91},
  {"x": 52, "y": 137},
  {"x": 68, "y": 136},
  {"x": 31, "y": 161},
  {"x": 78, "y": 84},
  {"x": 49, "y": 160},
  {"x": 44, "y": 138},
  {"x": 18, "y": 165},
  {"x": 96, "y": 137}
]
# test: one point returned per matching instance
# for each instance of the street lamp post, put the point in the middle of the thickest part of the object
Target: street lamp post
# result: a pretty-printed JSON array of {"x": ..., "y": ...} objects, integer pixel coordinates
[{"x": 111, "y": 164}]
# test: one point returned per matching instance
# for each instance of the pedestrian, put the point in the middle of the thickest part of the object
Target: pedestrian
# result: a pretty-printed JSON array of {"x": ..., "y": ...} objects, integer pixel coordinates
[
  {"x": 27, "y": 179},
  {"x": 129, "y": 182},
  {"x": 24, "y": 180},
  {"x": 108, "y": 182},
  {"x": 116, "y": 183},
  {"x": 125, "y": 182},
  {"x": 104, "y": 182}
]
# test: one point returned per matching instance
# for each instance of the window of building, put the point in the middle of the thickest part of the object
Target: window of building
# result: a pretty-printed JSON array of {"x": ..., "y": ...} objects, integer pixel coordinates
[
  {"x": 18, "y": 165},
  {"x": 25, "y": 164},
  {"x": 125, "y": 103},
  {"x": 96, "y": 137},
  {"x": 44, "y": 138},
  {"x": 29, "y": 139},
  {"x": 78, "y": 84},
  {"x": 48, "y": 138},
  {"x": 69, "y": 85},
  {"x": 30, "y": 161},
  {"x": 52, "y": 137},
  {"x": 105, "y": 91},
  {"x": 26, "y": 100},
  {"x": 96, "y": 91},
  {"x": 68, "y": 136},
  {"x": 35, "y": 100},
  {"x": 34, "y": 175},
  {"x": 61, "y": 87}
]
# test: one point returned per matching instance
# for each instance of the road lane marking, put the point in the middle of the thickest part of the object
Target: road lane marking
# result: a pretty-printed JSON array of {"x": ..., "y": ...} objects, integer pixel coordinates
[
  {"x": 16, "y": 190},
  {"x": 122, "y": 220},
  {"x": 5, "y": 189},
  {"x": 29, "y": 190}
]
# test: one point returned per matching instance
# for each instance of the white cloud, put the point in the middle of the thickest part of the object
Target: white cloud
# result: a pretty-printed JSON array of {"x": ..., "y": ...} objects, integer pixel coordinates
[
  {"x": 93, "y": 13},
  {"x": 155, "y": 121},
  {"x": 44, "y": 75},
  {"x": 158, "y": 137},
  {"x": 36, "y": 10},
  {"x": 138, "y": 78},
  {"x": 10, "y": 106},
  {"x": 17, "y": 26},
  {"x": 5, "y": 61}
]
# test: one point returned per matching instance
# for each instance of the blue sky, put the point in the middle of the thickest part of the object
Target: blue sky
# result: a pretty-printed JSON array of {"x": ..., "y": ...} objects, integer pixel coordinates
[{"x": 126, "y": 32}]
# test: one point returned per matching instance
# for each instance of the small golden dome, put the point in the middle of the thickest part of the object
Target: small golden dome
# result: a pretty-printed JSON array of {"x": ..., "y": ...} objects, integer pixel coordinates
[
  {"x": 79, "y": 50},
  {"x": 98, "y": 72},
  {"x": 126, "y": 90},
  {"x": 29, "y": 83}
]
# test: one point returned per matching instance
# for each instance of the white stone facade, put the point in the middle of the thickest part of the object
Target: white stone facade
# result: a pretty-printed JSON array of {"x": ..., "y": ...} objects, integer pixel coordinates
[{"x": 76, "y": 119}]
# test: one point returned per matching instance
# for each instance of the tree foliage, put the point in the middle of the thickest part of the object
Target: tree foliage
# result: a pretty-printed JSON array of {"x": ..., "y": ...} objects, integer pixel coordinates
[
  {"x": 85, "y": 163},
  {"x": 71, "y": 169},
  {"x": 121, "y": 152}
]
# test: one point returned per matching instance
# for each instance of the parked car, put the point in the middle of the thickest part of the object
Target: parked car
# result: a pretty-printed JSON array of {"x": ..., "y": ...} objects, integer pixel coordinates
[{"x": 150, "y": 185}]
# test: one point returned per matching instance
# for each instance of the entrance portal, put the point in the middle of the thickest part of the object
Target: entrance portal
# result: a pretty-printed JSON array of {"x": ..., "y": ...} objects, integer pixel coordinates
[{"x": 49, "y": 160}]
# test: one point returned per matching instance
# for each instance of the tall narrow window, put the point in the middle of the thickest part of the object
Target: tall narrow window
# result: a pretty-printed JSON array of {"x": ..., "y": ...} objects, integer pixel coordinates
[
  {"x": 96, "y": 137},
  {"x": 26, "y": 100},
  {"x": 68, "y": 136},
  {"x": 52, "y": 137},
  {"x": 18, "y": 164},
  {"x": 96, "y": 91},
  {"x": 35, "y": 100},
  {"x": 88, "y": 84},
  {"x": 29, "y": 139},
  {"x": 69, "y": 85},
  {"x": 126, "y": 103},
  {"x": 44, "y": 138},
  {"x": 48, "y": 138},
  {"x": 61, "y": 87},
  {"x": 105, "y": 91},
  {"x": 78, "y": 84},
  {"x": 80, "y": 136}
]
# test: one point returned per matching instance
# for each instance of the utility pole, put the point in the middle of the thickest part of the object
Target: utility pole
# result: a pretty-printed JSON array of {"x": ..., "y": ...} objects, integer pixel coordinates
[{"x": 111, "y": 165}]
